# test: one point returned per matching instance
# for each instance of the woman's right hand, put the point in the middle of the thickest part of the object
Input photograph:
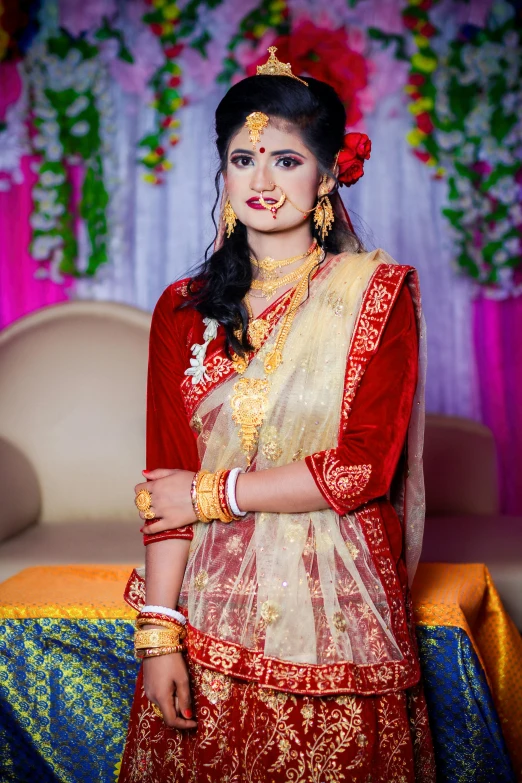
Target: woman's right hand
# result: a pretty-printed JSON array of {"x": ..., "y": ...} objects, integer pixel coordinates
[{"x": 166, "y": 683}]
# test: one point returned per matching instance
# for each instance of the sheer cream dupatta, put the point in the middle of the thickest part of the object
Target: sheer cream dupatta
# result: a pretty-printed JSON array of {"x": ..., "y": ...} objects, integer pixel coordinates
[{"x": 298, "y": 587}]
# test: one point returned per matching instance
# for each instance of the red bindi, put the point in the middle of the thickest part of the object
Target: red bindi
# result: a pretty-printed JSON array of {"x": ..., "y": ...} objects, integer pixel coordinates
[{"x": 261, "y": 149}]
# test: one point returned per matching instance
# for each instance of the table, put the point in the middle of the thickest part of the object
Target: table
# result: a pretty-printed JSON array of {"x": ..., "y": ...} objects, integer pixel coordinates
[{"x": 67, "y": 674}]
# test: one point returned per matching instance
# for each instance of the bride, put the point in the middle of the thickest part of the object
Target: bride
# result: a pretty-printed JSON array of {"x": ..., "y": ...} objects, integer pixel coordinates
[{"x": 283, "y": 505}]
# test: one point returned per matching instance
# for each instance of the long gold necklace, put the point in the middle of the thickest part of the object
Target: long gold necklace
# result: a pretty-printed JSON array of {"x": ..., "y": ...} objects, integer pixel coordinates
[
  {"x": 249, "y": 401},
  {"x": 270, "y": 266},
  {"x": 268, "y": 287}
]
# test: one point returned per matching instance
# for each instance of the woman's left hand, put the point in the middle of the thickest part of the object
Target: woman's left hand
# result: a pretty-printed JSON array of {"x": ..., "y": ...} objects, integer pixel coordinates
[{"x": 171, "y": 502}]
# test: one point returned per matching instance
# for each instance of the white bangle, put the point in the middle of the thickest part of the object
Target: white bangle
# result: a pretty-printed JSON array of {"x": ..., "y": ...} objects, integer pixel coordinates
[
  {"x": 166, "y": 610},
  {"x": 231, "y": 492}
]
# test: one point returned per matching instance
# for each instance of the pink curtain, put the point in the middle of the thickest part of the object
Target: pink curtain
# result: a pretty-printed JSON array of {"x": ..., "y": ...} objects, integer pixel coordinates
[
  {"x": 498, "y": 346},
  {"x": 20, "y": 292}
]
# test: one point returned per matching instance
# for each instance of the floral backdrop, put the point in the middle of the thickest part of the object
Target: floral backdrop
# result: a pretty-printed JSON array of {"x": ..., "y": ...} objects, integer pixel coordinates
[{"x": 106, "y": 160}]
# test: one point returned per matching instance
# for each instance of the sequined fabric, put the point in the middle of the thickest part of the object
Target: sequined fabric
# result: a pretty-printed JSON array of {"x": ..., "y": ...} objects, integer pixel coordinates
[{"x": 247, "y": 734}]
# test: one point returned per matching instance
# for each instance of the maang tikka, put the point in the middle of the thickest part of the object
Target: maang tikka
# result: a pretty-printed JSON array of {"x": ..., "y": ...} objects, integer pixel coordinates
[{"x": 256, "y": 122}]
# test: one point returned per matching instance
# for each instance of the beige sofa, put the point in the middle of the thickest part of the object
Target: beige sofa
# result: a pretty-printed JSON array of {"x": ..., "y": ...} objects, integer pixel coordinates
[
  {"x": 463, "y": 521},
  {"x": 72, "y": 433}
]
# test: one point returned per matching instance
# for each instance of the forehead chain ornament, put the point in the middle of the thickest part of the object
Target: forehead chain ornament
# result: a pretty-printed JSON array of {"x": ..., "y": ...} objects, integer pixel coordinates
[{"x": 256, "y": 122}]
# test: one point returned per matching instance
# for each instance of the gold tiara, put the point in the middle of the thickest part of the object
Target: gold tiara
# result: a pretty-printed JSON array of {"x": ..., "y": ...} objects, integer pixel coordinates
[{"x": 274, "y": 67}]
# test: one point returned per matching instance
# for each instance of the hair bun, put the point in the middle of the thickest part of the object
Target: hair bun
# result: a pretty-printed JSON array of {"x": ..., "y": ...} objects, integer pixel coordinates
[{"x": 355, "y": 150}]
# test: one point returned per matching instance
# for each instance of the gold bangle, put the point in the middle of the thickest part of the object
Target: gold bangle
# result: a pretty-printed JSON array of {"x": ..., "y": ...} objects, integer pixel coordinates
[
  {"x": 205, "y": 494},
  {"x": 200, "y": 516},
  {"x": 171, "y": 626},
  {"x": 156, "y": 652},
  {"x": 156, "y": 638}
]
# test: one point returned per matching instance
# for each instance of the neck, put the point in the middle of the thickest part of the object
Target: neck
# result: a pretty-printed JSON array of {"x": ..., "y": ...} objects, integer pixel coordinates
[{"x": 281, "y": 244}]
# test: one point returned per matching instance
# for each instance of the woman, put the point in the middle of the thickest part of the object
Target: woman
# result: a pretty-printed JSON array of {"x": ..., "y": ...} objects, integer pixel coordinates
[{"x": 293, "y": 358}]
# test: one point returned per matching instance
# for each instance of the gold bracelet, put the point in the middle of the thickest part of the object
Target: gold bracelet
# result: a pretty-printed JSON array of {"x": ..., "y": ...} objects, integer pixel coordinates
[
  {"x": 155, "y": 637},
  {"x": 200, "y": 516},
  {"x": 155, "y": 652},
  {"x": 205, "y": 494},
  {"x": 209, "y": 499},
  {"x": 172, "y": 626}
]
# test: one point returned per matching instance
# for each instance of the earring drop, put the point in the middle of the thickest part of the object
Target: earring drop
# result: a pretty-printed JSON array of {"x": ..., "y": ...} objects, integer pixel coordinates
[{"x": 229, "y": 218}]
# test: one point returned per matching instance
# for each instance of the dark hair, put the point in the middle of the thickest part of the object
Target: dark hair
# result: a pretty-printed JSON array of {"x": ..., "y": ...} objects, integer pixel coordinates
[{"x": 219, "y": 285}]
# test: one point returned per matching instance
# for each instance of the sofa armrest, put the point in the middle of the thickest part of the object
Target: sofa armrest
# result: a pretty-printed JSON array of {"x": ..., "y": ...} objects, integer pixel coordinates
[{"x": 21, "y": 497}]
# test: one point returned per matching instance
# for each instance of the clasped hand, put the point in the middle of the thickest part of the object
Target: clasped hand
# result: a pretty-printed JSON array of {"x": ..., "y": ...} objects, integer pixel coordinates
[{"x": 171, "y": 503}]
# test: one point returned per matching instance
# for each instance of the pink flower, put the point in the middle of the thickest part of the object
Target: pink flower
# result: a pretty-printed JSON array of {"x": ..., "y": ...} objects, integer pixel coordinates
[
  {"x": 148, "y": 56},
  {"x": 79, "y": 17}
]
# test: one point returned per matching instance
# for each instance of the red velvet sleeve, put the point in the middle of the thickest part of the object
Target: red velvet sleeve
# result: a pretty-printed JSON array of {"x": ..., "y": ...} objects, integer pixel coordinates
[
  {"x": 170, "y": 441},
  {"x": 361, "y": 467}
]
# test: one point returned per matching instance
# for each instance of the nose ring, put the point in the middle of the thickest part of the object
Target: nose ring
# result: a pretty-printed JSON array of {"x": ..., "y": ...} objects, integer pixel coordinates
[{"x": 273, "y": 207}]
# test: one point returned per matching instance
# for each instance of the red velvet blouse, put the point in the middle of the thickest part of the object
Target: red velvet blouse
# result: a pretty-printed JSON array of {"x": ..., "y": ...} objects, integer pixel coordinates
[{"x": 374, "y": 433}]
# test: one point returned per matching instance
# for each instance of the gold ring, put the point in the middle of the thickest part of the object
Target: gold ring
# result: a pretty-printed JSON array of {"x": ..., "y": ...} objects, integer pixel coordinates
[
  {"x": 156, "y": 710},
  {"x": 143, "y": 500},
  {"x": 149, "y": 514}
]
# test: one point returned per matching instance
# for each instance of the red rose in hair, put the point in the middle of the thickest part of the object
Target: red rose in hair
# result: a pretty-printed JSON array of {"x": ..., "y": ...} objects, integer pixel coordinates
[{"x": 356, "y": 149}]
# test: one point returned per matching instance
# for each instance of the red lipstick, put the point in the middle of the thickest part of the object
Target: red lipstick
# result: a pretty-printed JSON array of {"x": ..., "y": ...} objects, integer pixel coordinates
[{"x": 256, "y": 204}]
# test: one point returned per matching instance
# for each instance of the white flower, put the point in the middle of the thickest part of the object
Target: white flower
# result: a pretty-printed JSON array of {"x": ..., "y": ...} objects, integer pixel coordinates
[
  {"x": 51, "y": 178},
  {"x": 77, "y": 106},
  {"x": 211, "y": 330},
  {"x": 448, "y": 141},
  {"x": 80, "y": 128},
  {"x": 515, "y": 213},
  {"x": 198, "y": 371},
  {"x": 39, "y": 142},
  {"x": 50, "y": 128},
  {"x": 199, "y": 351},
  {"x": 512, "y": 246},
  {"x": 499, "y": 257},
  {"x": 41, "y": 222},
  {"x": 54, "y": 152}
]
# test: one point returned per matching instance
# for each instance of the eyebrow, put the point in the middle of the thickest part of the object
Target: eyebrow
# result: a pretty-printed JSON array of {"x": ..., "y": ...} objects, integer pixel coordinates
[{"x": 276, "y": 152}]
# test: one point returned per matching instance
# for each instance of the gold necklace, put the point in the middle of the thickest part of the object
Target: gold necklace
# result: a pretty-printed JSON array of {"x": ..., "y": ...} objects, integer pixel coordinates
[
  {"x": 250, "y": 399},
  {"x": 268, "y": 287},
  {"x": 270, "y": 265}
]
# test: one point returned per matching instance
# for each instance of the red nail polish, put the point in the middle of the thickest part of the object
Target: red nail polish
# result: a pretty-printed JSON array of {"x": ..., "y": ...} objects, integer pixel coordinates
[
  {"x": 146, "y": 471},
  {"x": 187, "y": 714},
  {"x": 142, "y": 529}
]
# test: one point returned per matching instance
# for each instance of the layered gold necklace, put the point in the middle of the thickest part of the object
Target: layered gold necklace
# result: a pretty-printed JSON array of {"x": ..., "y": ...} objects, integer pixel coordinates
[
  {"x": 271, "y": 267},
  {"x": 249, "y": 401},
  {"x": 269, "y": 285}
]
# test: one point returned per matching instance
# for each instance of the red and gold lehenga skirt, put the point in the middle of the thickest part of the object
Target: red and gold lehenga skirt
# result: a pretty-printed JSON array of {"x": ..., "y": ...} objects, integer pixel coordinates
[{"x": 249, "y": 734}]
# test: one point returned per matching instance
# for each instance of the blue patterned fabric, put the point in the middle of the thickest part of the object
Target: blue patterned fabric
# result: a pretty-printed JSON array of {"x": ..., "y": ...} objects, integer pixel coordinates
[
  {"x": 469, "y": 746},
  {"x": 66, "y": 686}
]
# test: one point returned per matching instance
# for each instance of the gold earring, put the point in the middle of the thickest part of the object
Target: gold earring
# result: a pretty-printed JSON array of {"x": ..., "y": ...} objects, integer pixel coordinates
[
  {"x": 323, "y": 212},
  {"x": 229, "y": 217}
]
